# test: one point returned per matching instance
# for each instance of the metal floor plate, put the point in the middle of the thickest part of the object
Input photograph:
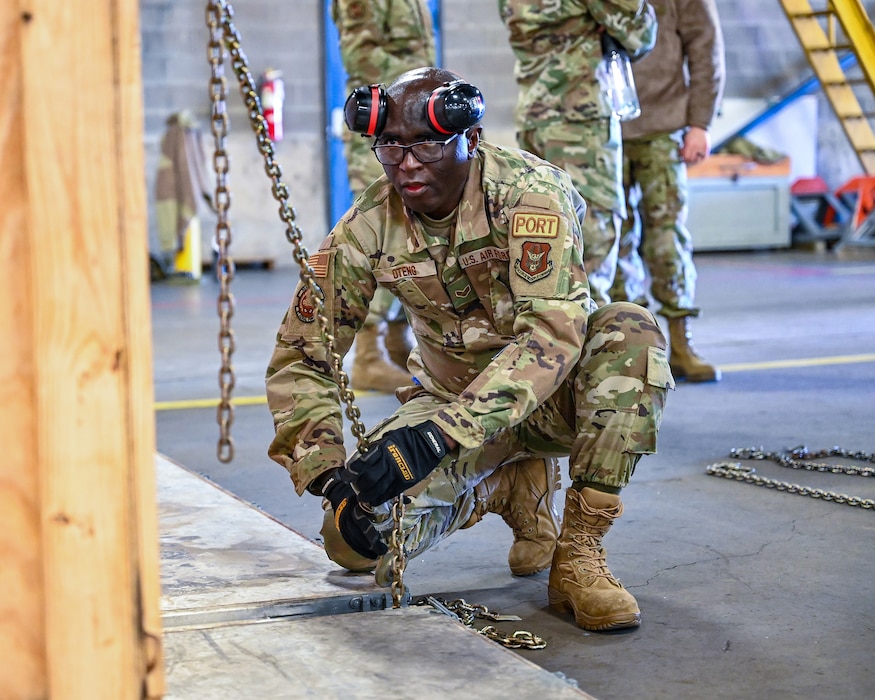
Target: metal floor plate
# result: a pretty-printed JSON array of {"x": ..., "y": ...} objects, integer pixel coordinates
[
  {"x": 406, "y": 653},
  {"x": 223, "y": 560},
  {"x": 249, "y": 609}
]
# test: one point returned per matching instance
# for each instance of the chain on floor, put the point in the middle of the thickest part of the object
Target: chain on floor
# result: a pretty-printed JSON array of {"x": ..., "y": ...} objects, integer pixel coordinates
[
  {"x": 802, "y": 458},
  {"x": 465, "y": 612}
]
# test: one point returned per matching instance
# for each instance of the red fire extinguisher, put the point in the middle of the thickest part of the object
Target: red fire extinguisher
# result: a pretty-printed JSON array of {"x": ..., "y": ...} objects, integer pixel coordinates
[{"x": 272, "y": 95}]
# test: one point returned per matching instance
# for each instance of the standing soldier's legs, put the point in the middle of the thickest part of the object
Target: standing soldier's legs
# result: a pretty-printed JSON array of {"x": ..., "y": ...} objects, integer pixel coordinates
[
  {"x": 630, "y": 281},
  {"x": 619, "y": 391},
  {"x": 362, "y": 167},
  {"x": 666, "y": 243},
  {"x": 601, "y": 239},
  {"x": 591, "y": 152},
  {"x": 667, "y": 249},
  {"x": 398, "y": 340}
]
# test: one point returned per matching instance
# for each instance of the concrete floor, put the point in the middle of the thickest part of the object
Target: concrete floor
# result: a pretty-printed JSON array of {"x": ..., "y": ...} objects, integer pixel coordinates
[{"x": 745, "y": 592}]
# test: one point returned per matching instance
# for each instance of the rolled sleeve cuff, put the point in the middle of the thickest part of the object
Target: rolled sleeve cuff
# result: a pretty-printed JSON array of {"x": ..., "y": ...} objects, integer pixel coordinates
[
  {"x": 461, "y": 425},
  {"x": 308, "y": 467}
]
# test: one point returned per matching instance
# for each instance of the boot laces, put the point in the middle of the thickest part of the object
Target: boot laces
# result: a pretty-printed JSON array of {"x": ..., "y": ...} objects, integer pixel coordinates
[
  {"x": 586, "y": 548},
  {"x": 591, "y": 556},
  {"x": 514, "y": 514}
]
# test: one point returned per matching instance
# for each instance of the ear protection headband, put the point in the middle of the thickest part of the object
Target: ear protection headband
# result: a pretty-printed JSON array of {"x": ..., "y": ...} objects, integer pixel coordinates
[{"x": 450, "y": 108}]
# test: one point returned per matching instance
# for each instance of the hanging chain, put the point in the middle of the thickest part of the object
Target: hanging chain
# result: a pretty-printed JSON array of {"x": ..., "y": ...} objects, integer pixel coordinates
[
  {"x": 399, "y": 553},
  {"x": 798, "y": 458},
  {"x": 220, "y": 21},
  {"x": 465, "y": 612},
  {"x": 224, "y": 264}
]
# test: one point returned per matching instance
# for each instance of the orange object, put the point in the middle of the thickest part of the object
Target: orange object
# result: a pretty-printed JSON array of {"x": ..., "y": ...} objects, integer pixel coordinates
[
  {"x": 735, "y": 166},
  {"x": 859, "y": 194}
]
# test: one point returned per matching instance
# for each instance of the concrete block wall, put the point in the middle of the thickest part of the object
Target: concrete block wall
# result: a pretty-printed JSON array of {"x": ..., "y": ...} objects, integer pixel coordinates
[
  {"x": 176, "y": 74},
  {"x": 764, "y": 60}
]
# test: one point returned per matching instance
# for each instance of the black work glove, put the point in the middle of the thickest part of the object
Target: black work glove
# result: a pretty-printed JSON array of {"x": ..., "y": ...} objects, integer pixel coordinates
[
  {"x": 400, "y": 459},
  {"x": 351, "y": 521}
]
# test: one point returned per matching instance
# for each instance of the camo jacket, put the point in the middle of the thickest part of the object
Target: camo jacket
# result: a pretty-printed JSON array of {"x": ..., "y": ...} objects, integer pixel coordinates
[
  {"x": 380, "y": 39},
  {"x": 499, "y": 314},
  {"x": 557, "y": 46}
]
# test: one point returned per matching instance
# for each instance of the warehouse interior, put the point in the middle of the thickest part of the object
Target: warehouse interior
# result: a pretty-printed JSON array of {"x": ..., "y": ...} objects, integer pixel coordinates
[
  {"x": 728, "y": 613},
  {"x": 756, "y": 585}
]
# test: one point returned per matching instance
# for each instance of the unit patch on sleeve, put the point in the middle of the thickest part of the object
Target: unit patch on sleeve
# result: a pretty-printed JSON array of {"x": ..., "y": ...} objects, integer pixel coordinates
[
  {"x": 537, "y": 240},
  {"x": 534, "y": 262},
  {"x": 305, "y": 308}
]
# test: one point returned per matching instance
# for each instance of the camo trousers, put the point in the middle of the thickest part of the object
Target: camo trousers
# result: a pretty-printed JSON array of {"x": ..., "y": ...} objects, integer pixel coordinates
[
  {"x": 655, "y": 245},
  {"x": 603, "y": 418}
]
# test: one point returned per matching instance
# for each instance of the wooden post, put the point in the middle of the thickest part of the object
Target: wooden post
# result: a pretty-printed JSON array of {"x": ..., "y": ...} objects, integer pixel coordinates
[{"x": 79, "y": 581}]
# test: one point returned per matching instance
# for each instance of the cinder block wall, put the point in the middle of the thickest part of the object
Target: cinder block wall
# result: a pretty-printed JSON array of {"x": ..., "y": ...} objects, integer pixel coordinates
[{"x": 764, "y": 61}]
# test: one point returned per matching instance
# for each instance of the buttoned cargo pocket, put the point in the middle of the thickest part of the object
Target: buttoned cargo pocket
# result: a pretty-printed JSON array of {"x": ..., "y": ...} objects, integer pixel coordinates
[
  {"x": 658, "y": 370},
  {"x": 643, "y": 426}
]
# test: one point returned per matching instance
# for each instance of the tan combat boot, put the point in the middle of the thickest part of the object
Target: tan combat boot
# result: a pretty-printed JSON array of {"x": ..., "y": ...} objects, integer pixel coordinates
[
  {"x": 580, "y": 581},
  {"x": 522, "y": 494},
  {"x": 683, "y": 359},
  {"x": 371, "y": 368},
  {"x": 398, "y": 342}
]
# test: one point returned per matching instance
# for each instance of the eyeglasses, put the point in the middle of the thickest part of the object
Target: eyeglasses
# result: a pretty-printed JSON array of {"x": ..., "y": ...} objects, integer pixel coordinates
[{"x": 423, "y": 151}]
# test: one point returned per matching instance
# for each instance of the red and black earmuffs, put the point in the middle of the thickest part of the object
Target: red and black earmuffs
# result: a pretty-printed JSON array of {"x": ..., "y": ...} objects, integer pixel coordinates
[{"x": 450, "y": 108}]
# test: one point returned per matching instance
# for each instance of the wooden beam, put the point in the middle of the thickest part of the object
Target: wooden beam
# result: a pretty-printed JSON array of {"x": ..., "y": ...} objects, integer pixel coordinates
[
  {"x": 22, "y": 618},
  {"x": 77, "y": 493}
]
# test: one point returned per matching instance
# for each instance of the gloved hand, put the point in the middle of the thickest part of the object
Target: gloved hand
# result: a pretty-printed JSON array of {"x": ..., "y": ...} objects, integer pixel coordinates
[
  {"x": 351, "y": 521},
  {"x": 401, "y": 458}
]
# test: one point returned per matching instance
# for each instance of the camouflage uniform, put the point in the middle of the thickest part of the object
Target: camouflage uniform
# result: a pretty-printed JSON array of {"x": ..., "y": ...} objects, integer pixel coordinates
[
  {"x": 655, "y": 179},
  {"x": 655, "y": 176},
  {"x": 561, "y": 114},
  {"x": 379, "y": 40},
  {"x": 511, "y": 359}
]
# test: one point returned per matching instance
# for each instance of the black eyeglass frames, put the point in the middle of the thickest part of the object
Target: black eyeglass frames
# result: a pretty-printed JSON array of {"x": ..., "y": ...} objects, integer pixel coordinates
[{"x": 423, "y": 151}]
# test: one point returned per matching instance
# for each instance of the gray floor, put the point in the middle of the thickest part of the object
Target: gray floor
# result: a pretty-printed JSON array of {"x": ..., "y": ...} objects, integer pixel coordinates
[{"x": 745, "y": 592}]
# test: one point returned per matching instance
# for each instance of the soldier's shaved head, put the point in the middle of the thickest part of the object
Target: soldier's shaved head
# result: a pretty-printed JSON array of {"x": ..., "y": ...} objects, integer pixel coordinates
[
  {"x": 408, "y": 94},
  {"x": 425, "y": 79}
]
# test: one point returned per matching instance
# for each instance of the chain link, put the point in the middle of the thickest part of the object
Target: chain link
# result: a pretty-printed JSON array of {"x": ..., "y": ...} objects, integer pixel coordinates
[
  {"x": 220, "y": 21},
  {"x": 224, "y": 264},
  {"x": 798, "y": 458},
  {"x": 398, "y": 550},
  {"x": 466, "y": 613}
]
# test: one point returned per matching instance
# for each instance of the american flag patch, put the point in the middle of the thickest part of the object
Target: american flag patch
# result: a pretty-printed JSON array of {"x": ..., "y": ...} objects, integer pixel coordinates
[{"x": 319, "y": 263}]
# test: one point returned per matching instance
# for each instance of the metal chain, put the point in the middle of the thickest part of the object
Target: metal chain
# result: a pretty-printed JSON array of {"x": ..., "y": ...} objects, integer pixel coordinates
[
  {"x": 398, "y": 550},
  {"x": 466, "y": 613},
  {"x": 224, "y": 264},
  {"x": 220, "y": 20},
  {"x": 797, "y": 458}
]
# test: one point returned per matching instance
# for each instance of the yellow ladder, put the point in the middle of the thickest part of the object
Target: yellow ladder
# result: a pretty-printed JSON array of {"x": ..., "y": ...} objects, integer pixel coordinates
[{"x": 839, "y": 26}]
